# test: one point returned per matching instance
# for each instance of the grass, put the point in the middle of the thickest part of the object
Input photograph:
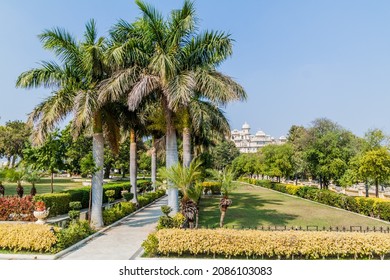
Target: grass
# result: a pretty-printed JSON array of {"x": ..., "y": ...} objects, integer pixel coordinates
[{"x": 255, "y": 206}]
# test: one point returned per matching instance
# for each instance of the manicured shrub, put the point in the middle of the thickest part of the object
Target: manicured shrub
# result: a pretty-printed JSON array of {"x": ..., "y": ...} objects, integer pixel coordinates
[
  {"x": 58, "y": 202},
  {"x": 268, "y": 244},
  {"x": 76, "y": 231},
  {"x": 128, "y": 196},
  {"x": 14, "y": 208},
  {"x": 26, "y": 237},
  {"x": 79, "y": 194},
  {"x": 144, "y": 186},
  {"x": 117, "y": 212}
]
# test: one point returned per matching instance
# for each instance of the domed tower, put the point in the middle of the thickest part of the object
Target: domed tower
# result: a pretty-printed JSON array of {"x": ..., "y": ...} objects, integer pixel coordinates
[{"x": 245, "y": 130}]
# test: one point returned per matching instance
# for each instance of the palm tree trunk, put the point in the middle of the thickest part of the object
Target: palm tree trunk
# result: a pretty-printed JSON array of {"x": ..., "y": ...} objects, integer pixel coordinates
[
  {"x": 154, "y": 163},
  {"x": 223, "y": 214},
  {"x": 186, "y": 147},
  {"x": 97, "y": 177},
  {"x": 133, "y": 165},
  {"x": 172, "y": 159}
]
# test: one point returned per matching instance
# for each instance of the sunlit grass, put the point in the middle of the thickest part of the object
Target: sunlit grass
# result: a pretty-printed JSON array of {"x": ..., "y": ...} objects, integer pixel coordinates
[{"x": 255, "y": 207}]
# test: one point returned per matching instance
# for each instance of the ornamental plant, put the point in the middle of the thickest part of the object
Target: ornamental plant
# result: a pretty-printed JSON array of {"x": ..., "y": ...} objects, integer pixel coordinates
[{"x": 40, "y": 206}]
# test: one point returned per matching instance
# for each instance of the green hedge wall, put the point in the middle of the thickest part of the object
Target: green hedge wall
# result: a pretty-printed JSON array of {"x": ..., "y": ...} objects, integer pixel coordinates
[
  {"x": 372, "y": 207},
  {"x": 58, "y": 202}
]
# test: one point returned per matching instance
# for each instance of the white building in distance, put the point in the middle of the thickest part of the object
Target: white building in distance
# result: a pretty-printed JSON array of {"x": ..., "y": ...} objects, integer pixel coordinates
[{"x": 248, "y": 143}]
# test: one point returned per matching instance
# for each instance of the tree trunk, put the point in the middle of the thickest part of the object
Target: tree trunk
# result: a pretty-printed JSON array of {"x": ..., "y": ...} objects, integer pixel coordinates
[
  {"x": 52, "y": 182},
  {"x": 376, "y": 188},
  {"x": 223, "y": 214},
  {"x": 13, "y": 161},
  {"x": 107, "y": 170},
  {"x": 186, "y": 147},
  {"x": 172, "y": 159},
  {"x": 154, "y": 163},
  {"x": 133, "y": 165},
  {"x": 97, "y": 177}
]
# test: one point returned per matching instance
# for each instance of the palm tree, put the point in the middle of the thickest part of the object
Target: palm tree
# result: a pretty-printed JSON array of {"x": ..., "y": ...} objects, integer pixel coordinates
[
  {"x": 225, "y": 177},
  {"x": 75, "y": 81},
  {"x": 184, "y": 179},
  {"x": 166, "y": 60}
]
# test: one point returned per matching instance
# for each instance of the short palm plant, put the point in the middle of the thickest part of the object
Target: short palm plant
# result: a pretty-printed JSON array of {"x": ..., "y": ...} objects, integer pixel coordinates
[
  {"x": 16, "y": 176},
  {"x": 226, "y": 178},
  {"x": 184, "y": 178}
]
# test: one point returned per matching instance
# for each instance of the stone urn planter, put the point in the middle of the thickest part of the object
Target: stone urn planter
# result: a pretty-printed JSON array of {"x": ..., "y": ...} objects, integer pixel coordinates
[{"x": 41, "y": 216}]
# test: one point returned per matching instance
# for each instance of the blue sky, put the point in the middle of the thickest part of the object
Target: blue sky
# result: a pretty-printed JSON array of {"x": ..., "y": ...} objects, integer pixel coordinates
[{"x": 298, "y": 60}]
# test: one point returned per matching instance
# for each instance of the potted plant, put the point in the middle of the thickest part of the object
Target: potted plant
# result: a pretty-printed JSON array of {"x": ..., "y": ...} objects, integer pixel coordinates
[{"x": 41, "y": 212}]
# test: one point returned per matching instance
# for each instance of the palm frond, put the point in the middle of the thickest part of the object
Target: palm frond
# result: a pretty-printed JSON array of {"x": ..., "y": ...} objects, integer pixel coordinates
[
  {"x": 62, "y": 43},
  {"x": 85, "y": 107},
  {"x": 218, "y": 88},
  {"x": 180, "y": 89},
  {"x": 49, "y": 113},
  {"x": 146, "y": 85}
]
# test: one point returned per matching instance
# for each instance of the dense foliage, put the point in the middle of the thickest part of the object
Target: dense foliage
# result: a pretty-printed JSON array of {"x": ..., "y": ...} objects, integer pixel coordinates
[{"x": 268, "y": 244}]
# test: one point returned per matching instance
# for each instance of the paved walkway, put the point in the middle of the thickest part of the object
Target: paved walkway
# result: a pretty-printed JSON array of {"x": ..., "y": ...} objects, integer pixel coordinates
[{"x": 122, "y": 241}]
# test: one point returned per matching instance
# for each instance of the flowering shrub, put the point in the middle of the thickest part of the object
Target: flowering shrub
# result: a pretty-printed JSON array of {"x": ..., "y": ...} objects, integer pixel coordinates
[
  {"x": 14, "y": 208},
  {"x": 269, "y": 244},
  {"x": 26, "y": 237}
]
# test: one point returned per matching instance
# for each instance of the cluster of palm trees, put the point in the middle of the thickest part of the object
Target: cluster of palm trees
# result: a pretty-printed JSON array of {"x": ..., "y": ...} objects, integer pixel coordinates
[{"x": 157, "y": 76}]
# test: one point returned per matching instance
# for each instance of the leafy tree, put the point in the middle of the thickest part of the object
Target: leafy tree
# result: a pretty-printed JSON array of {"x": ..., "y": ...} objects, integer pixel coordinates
[
  {"x": 248, "y": 164},
  {"x": 224, "y": 153},
  {"x": 329, "y": 150},
  {"x": 375, "y": 165},
  {"x": 50, "y": 156},
  {"x": 14, "y": 136},
  {"x": 278, "y": 160}
]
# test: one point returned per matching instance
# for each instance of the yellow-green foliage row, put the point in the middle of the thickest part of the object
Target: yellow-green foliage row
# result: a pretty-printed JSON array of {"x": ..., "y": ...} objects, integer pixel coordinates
[
  {"x": 272, "y": 244},
  {"x": 26, "y": 237}
]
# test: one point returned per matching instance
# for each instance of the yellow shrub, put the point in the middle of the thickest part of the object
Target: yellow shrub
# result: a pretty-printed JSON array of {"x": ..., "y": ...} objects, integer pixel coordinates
[
  {"x": 292, "y": 189},
  {"x": 26, "y": 237},
  {"x": 273, "y": 244}
]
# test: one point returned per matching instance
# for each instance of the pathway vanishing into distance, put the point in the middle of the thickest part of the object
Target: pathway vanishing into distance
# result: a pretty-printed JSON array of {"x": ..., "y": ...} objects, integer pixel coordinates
[{"x": 123, "y": 240}]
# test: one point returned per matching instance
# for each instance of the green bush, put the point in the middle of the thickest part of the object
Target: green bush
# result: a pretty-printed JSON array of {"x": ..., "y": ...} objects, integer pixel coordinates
[
  {"x": 128, "y": 196},
  {"x": 117, "y": 212},
  {"x": 76, "y": 231},
  {"x": 58, "y": 202},
  {"x": 79, "y": 194},
  {"x": 150, "y": 245}
]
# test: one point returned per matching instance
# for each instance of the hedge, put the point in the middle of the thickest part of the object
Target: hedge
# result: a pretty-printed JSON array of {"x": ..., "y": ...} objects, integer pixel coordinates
[
  {"x": 58, "y": 202},
  {"x": 230, "y": 243},
  {"x": 214, "y": 187},
  {"x": 26, "y": 237},
  {"x": 372, "y": 207}
]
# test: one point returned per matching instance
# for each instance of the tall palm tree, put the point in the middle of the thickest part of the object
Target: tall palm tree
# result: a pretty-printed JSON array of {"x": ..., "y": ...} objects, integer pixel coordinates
[
  {"x": 174, "y": 65},
  {"x": 74, "y": 81}
]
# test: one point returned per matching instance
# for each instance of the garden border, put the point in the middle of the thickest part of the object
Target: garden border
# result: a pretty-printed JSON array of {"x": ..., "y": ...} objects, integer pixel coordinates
[{"x": 35, "y": 256}]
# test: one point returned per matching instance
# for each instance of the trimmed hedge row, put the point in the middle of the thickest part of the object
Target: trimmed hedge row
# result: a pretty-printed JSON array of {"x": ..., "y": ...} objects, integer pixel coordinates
[
  {"x": 59, "y": 202},
  {"x": 372, "y": 207},
  {"x": 122, "y": 209},
  {"x": 265, "y": 244},
  {"x": 213, "y": 187}
]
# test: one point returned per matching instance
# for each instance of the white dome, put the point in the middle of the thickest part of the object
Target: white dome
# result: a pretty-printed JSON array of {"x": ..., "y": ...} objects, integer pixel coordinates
[
  {"x": 245, "y": 126},
  {"x": 260, "y": 133}
]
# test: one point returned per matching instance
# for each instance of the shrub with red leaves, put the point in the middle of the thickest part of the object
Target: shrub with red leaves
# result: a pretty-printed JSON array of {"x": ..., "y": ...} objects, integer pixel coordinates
[{"x": 14, "y": 208}]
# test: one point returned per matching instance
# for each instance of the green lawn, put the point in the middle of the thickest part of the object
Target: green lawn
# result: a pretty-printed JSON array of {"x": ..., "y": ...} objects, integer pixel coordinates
[{"x": 255, "y": 206}]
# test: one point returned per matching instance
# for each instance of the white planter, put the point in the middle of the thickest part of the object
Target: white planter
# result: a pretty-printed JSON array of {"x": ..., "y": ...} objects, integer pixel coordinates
[{"x": 41, "y": 216}]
